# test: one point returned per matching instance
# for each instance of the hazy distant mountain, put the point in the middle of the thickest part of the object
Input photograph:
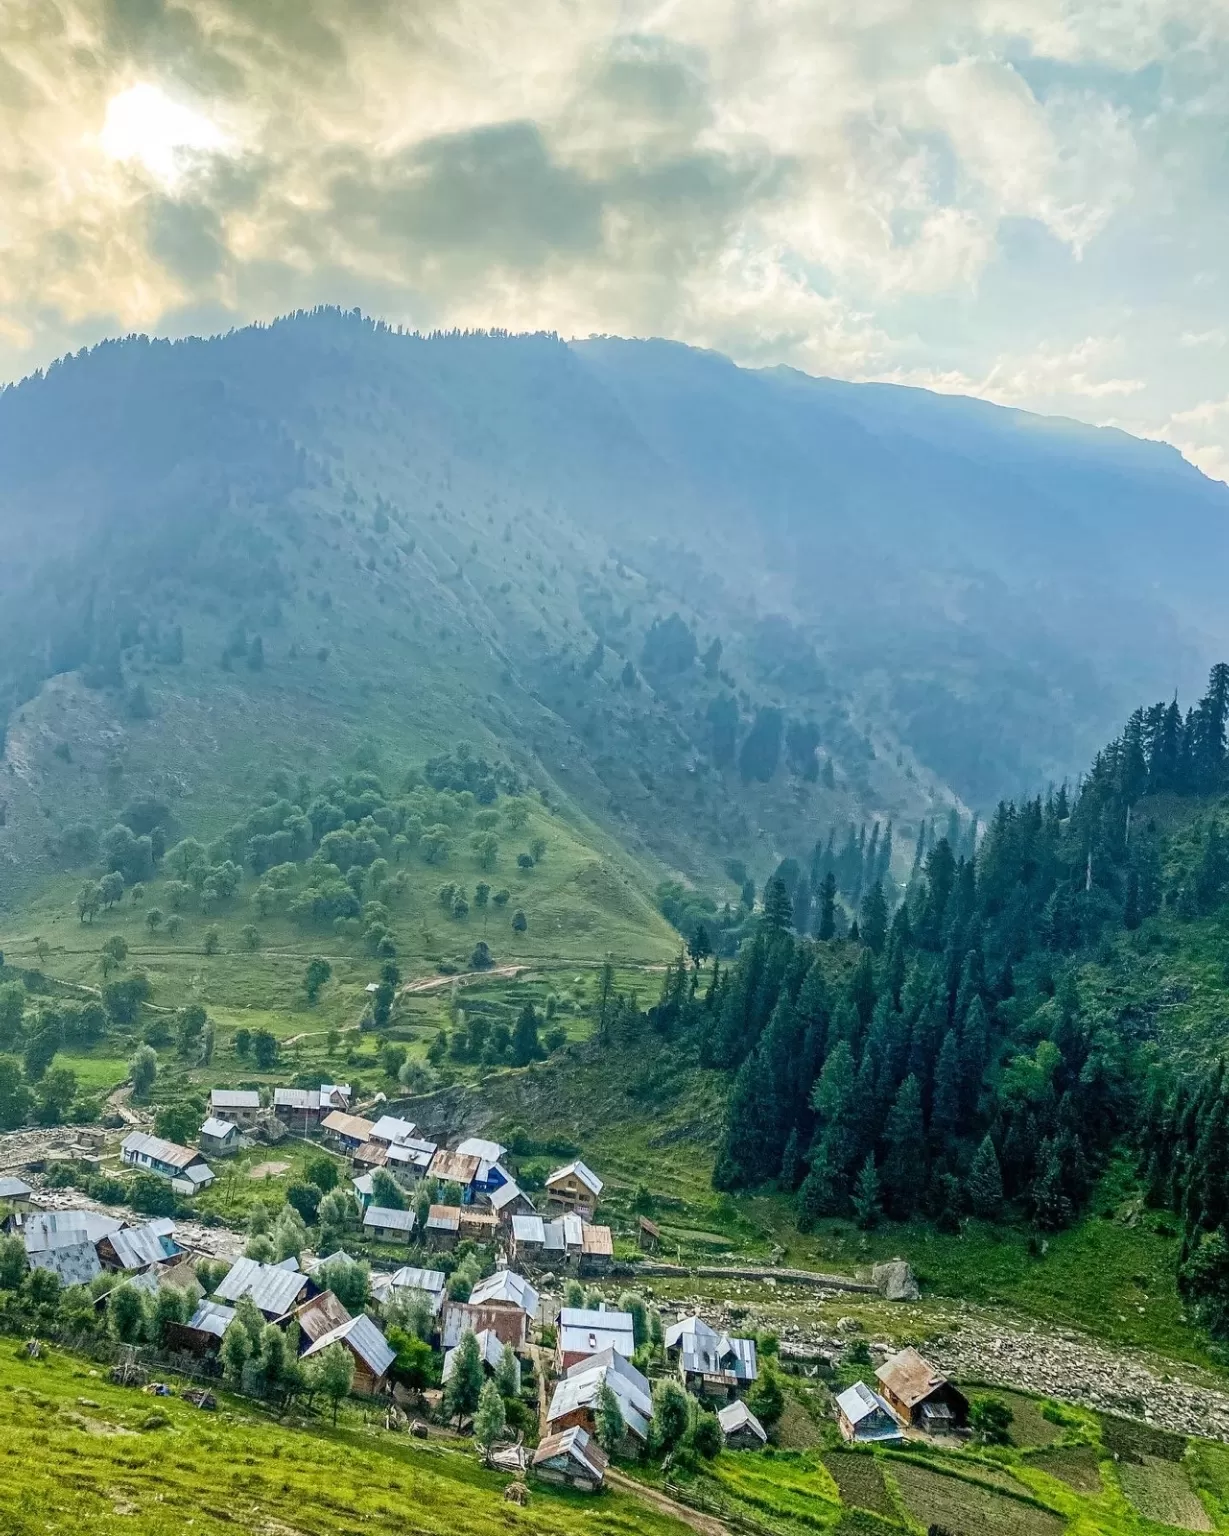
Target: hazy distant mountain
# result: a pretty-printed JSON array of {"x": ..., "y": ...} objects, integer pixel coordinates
[{"x": 292, "y": 545}]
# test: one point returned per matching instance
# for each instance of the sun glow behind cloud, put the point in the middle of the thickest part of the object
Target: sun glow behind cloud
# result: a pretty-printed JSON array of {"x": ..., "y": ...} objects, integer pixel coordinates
[
  {"x": 1020, "y": 198},
  {"x": 143, "y": 123}
]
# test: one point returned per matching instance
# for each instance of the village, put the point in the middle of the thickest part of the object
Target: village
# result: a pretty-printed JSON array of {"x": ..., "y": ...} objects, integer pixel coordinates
[{"x": 498, "y": 1324}]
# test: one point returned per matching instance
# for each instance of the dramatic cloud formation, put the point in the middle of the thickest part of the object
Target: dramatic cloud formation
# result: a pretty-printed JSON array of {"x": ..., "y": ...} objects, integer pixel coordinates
[{"x": 1023, "y": 199}]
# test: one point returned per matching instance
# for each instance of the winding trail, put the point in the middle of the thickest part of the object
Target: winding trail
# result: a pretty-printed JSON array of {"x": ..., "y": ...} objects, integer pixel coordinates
[{"x": 706, "y": 1525}]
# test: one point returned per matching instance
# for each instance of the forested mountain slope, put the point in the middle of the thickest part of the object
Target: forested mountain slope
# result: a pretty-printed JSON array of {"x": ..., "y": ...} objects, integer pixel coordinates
[{"x": 710, "y": 612}]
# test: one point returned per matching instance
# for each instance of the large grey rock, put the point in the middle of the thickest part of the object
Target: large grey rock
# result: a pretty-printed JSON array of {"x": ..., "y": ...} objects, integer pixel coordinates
[{"x": 895, "y": 1281}]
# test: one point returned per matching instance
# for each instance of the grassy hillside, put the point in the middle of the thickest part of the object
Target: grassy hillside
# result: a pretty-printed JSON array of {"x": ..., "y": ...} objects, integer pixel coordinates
[
  {"x": 322, "y": 544},
  {"x": 94, "y": 1458}
]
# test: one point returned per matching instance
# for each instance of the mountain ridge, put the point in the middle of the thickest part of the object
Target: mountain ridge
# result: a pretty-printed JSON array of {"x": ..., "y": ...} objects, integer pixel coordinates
[{"x": 336, "y": 487}]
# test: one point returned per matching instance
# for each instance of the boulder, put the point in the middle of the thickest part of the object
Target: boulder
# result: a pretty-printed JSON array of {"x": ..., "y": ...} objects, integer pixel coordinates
[{"x": 895, "y": 1281}]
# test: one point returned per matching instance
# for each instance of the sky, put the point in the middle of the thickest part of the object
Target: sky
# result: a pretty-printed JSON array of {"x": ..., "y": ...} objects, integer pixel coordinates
[{"x": 1026, "y": 200}]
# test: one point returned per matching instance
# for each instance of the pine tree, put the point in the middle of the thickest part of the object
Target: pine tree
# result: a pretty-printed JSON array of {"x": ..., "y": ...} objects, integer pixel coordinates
[
  {"x": 778, "y": 909},
  {"x": 490, "y": 1420},
  {"x": 867, "y": 1201},
  {"x": 904, "y": 1136},
  {"x": 609, "y": 1420},
  {"x": 1051, "y": 1207},
  {"x": 985, "y": 1182},
  {"x": 945, "y": 1116},
  {"x": 463, "y": 1388},
  {"x": 827, "y": 908},
  {"x": 835, "y": 1104},
  {"x": 822, "y": 1192},
  {"x": 875, "y": 918},
  {"x": 525, "y": 1043}
]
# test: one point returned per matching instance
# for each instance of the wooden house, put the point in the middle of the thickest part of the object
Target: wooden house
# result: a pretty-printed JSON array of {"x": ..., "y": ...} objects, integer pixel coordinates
[
  {"x": 388, "y": 1225},
  {"x": 241, "y": 1106},
  {"x": 572, "y": 1459},
  {"x": 574, "y": 1401},
  {"x": 344, "y": 1131},
  {"x": 575, "y": 1187},
  {"x": 740, "y": 1428},
  {"x": 443, "y": 1228},
  {"x": 184, "y": 1166},
  {"x": 372, "y": 1355},
  {"x": 322, "y": 1314},
  {"x": 864, "y": 1418},
  {"x": 219, "y": 1138},
  {"x": 648, "y": 1235},
  {"x": 15, "y": 1193},
  {"x": 921, "y": 1396},
  {"x": 481, "y": 1226},
  {"x": 709, "y": 1362}
]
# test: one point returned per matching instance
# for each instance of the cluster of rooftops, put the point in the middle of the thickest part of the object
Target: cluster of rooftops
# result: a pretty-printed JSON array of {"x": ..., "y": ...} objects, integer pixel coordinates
[{"x": 594, "y": 1347}]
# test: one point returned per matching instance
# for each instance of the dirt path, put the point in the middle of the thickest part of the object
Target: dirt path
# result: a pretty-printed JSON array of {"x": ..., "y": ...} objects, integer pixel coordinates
[
  {"x": 707, "y": 1525},
  {"x": 425, "y": 984},
  {"x": 117, "y": 1102}
]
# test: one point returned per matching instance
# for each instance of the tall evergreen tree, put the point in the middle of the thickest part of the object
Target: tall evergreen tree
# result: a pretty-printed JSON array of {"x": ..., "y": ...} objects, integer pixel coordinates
[
  {"x": 875, "y": 918},
  {"x": 904, "y": 1139},
  {"x": 985, "y": 1182},
  {"x": 778, "y": 909}
]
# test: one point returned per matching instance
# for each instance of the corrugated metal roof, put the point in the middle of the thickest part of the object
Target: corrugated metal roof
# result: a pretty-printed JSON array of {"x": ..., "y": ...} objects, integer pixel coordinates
[
  {"x": 484, "y": 1151},
  {"x": 507, "y": 1194},
  {"x": 575, "y": 1444},
  {"x": 364, "y": 1338},
  {"x": 433, "y": 1280},
  {"x": 505, "y": 1285},
  {"x": 584, "y": 1332},
  {"x": 859, "y": 1404},
  {"x": 597, "y": 1241},
  {"x": 412, "y": 1153},
  {"x": 75, "y": 1262},
  {"x": 910, "y": 1377},
  {"x": 372, "y": 1154},
  {"x": 530, "y": 1230},
  {"x": 234, "y": 1098},
  {"x": 40, "y": 1229},
  {"x": 391, "y": 1128},
  {"x": 580, "y": 1389},
  {"x": 271, "y": 1287},
  {"x": 212, "y": 1317},
  {"x": 158, "y": 1150},
  {"x": 320, "y": 1315},
  {"x": 735, "y": 1416},
  {"x": 705, "y": 1352},
  {"x": 218, "y": 1129},
  {"x": 14, "y": 1189},
  {"x": 139, "y": 1247},
  {"x": 296, "y": 1098},
  {"x": 638, "y": 1386},
  {"x": 354, "y": 1127},
  {"x": 444, "y": 1218},
  {"x": 386, "y": 1216},
  {"x": 454, "y": 1168},
  {"x": 583, "y": 1172}
]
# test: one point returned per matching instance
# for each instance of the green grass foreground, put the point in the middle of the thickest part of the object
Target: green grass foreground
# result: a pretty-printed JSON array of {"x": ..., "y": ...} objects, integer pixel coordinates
[{"x": 78, "y": 1454}]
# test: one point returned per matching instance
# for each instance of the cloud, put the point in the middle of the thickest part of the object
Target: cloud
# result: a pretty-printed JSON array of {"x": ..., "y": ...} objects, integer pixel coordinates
[{"x": 1023, "y": 199}]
